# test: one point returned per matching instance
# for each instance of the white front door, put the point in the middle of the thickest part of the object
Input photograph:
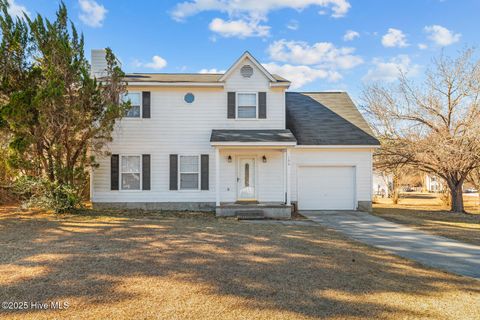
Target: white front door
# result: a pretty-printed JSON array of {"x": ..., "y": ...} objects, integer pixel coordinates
[{"x": 246, "y": 179}]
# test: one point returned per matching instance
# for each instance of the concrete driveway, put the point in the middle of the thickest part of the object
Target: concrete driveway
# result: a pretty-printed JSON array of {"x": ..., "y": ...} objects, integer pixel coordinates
[{"x": 430, "y": 250}]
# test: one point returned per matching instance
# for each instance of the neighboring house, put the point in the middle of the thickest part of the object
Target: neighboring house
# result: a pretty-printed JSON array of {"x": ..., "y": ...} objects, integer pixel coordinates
[
  {"x": 235, "y": 143},
  {"x": 382, "y": 184},
  {"x": 434, "y": 183}
]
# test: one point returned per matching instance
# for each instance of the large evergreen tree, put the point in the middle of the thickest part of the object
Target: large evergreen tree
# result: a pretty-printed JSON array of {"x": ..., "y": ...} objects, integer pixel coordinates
[{"x": 56, "y": 115}]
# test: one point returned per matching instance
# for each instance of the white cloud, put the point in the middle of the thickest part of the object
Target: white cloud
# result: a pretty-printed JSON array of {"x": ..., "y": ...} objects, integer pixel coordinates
[
  {"x": 245, "y": 17},
  {"x": 422, "y": 46},
  {"x": 255, "y": 8},
  {"x": 293, "y": 25},
  {"x": 350, "y": 35},
  {"x": 394, "y": 38},
  {"x": 92, "y": 14},
  {"x": 17, "y": 10},
  {"x": 389, "y": 71},
  {"x": 441, "y": 35},
  {"x": 323, "y": 54},
  {"x": 213, "y": 70},
  {"x": 157, "y": 63},
  {"x": 301, "y": 75},
  {"x": 238, "y": 28}
]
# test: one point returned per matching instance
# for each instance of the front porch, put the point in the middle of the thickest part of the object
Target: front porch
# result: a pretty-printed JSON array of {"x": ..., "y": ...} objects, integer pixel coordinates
[{"x": 253, "y": 173}]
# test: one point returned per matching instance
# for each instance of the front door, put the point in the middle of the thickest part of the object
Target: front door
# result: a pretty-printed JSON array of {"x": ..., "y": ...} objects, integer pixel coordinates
[{"x": 246, "y": 179}]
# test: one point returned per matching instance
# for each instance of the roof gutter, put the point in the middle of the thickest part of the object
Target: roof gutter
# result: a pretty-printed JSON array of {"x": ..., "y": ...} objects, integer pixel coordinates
[
  {"x": 252, "y": 144},
  {"x": 175, "y": 84},
  {"x": 279, "y": 84},
  {"x": 337, "y": 146}
]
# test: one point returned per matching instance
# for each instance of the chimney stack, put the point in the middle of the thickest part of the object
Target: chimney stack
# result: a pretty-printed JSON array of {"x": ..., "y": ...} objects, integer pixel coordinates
[{"x": 99, "y": 63}]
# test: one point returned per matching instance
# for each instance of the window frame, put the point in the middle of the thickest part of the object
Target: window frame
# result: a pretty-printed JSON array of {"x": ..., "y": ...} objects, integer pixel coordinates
[
  {"x": 237, "y": 105},
  {"x": 179, "y": 173},
  {"x": 120, "y": 172},
  {"x": 141, "y": 106}
]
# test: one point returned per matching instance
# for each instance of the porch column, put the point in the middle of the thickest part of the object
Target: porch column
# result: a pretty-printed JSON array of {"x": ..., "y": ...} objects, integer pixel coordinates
[
  {"x": 217, "y": 176},
  {"x": 285, "y": 175},
  {"x": 287, "y": 156}
]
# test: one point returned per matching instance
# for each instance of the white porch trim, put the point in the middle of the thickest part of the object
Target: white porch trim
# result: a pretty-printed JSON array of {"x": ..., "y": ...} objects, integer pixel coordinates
[
  {"x": 217, "y": 177},
  {"x": 288, "y": 174}
]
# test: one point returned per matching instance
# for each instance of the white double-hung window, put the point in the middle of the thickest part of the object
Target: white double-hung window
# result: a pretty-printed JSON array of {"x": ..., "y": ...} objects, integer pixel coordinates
[
  {"x": 247, "y": 105},
  {"x": 130, "y": 172},
  {"x": 189, "y": 173},
  {"x": 135, "y": 103}
]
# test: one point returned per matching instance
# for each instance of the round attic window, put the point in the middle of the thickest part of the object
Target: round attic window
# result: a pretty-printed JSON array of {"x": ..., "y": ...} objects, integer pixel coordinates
[
  {"x": 189, "y": 97},
  {"x": 246, "y": 71}
]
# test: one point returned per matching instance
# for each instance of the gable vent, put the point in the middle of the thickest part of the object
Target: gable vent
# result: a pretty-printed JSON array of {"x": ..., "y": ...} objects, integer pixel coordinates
[{"x": 246, "y": 71}]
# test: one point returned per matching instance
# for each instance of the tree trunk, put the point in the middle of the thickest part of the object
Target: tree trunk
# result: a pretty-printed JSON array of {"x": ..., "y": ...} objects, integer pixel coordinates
[
  {"x": 456, "y": 193},
  {"x": 424, "y": 182},
  {"x": 395, "y": 192}
]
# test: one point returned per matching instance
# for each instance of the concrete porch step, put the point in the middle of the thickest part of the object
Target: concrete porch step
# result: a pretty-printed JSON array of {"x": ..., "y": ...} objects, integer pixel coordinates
[
  {"x": 250, "y": 214},
  {"x": 269, "y": 210}
]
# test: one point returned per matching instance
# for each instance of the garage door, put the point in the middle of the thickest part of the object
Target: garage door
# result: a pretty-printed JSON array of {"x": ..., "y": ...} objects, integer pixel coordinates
[{"x": 326, "y": 188}]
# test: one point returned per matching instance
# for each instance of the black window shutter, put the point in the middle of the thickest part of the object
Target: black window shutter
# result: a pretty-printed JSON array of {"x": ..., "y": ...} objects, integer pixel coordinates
[
  {"x": 146, "y": 172},
  {"x": 114, "y": 168},
  {"x": 173, "y": 172},
  {"x": 146, "y": 104},
  {"x": 262, "y": 105},
  {"x": 231, "y": 105},
  {"x": 204, "y": 171}
]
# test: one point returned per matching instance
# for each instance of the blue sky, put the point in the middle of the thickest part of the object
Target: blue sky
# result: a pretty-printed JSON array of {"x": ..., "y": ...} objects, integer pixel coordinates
[{"x": 317, "y": 44}]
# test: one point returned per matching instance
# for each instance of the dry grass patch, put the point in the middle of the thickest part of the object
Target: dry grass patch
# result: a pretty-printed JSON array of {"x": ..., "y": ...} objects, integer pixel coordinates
[
  {"x": 183, "y": 267},
  {"x": 426, "y": 211}
]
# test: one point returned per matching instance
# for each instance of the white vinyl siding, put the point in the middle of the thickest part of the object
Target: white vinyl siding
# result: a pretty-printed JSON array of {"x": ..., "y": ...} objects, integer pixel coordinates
[
  {"x": 130, "y": 172},
  {"x": 176, "y": 127},
  {"x": 189, "y": 172}
]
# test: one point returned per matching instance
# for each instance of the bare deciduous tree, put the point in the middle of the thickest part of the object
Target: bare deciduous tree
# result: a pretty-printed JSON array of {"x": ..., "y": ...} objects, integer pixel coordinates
[
  {"x": 435, "y": 126},
  {"x": 474, "y": 179},
  {"x": 387, "y": 163}
]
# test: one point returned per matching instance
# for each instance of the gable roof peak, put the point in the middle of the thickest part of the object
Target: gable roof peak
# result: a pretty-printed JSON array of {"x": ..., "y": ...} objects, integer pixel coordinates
[{"x": 248, "y": 55}]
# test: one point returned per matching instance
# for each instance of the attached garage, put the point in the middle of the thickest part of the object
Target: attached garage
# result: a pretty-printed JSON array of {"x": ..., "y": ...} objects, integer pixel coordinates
[
  {"x": 326, "y": 188},
  {"x": 332, "y": 162}
]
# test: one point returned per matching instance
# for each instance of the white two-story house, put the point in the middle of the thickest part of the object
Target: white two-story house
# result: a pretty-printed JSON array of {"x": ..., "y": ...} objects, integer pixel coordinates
[{"x": 234, "y": 142}]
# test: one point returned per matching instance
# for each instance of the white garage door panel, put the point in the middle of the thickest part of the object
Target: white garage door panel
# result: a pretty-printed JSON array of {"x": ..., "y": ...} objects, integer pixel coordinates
[{"x": 326, "y": 188}]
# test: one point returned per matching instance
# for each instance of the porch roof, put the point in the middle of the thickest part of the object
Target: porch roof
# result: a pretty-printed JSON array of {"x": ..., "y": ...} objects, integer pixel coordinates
[{"x": 252, "y": 137}]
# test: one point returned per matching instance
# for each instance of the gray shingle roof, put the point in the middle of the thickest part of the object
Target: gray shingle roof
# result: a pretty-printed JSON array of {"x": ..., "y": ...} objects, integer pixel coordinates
[
  {"x": 252, "y": 136},
  {"x": 181, "y": 77},
  {"x": 326, "y": 118}
]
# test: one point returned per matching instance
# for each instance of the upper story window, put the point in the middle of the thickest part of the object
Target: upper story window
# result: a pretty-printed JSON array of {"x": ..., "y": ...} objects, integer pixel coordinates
[
  {"x": 247, "y": 105},
  {"x": 135, "y": 99}
]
